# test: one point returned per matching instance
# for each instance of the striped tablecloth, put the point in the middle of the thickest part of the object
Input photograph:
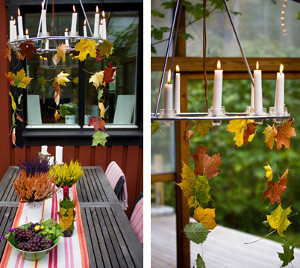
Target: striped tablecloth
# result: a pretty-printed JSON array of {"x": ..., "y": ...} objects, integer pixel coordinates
[{"x": 69, "y": 253}]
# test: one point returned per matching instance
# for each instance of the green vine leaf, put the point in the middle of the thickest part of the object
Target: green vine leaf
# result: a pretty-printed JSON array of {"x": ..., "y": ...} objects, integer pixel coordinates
[
  {"x": 155, "y": 126},
  {"x": 288, "y": 254},
  {"x": 157, "y": 14},
  {"x": 20, "y": 99},
  {"x": 99, "y": 138},
  {"x": 13, "y": 104},
  {"x": 199, "y": 262},
  {"x": 196, "y": 232},
  {"x": 100, "y": 94}
]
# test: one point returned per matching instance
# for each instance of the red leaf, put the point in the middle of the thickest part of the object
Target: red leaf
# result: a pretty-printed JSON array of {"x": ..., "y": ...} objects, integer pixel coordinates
[
  {"x": 10, "y": 77},
  {"x": 109, "y": 73},
  {"x": 97, "y": 123},
  {"x": 98, "y": 56},
  {"x": 249, "y": 130},
  {"x": 27, "y": 48},
  {"x": 284, "y": 133}
]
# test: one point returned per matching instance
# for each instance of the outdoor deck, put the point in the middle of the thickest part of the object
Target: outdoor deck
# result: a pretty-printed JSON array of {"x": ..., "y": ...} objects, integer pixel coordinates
[{"x": 224, "y": 248}]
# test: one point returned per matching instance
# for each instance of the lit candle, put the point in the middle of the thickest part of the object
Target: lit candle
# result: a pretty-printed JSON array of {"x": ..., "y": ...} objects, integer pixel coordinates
[
  {"x": 15, "y": 30},
  {"x": 217, "y": 96},
  {"x": 26, "y": 34},
  {"x": 84, "y": 29},
  {"x": 96, "y": 23},
  {"x": 168, "y": 95},
  {"x": 20, "y": 25},
  {"x": 103, "y": 33},
  {"x": 59, "y": 154},
  {"x": 279, "y": 95},
  {"x": 44, "y": 149},
  {"x": 74, "y": 22},
  {"x": 41, "y": 60},
  {"x": 45, "y": 61},
  {"x": 177, "y": 90},
  {"x": 257, "y": 91},
  {"x": 101, "y": 29},
  {"x": 67, "y": 34},
  {"x": 11, "y": 29},
  {"x": 44, "y": 22}
]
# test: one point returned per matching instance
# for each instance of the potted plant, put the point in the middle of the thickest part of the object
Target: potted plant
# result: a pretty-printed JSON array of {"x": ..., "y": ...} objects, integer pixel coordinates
[
  {"x": 35, "y": 166},
  {"x": 69, "y": 111},
  {"x": 33, "y": 190}
]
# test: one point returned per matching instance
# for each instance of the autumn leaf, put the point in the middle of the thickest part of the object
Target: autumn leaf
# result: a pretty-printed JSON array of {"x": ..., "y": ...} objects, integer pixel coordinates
[
  {"x": 242, "y": 129},
  {"x": 278, "y": 219},
  {"x": 60, "y": 53},
  {"x": 97, "y": 79},
  {"x": 284, "y": 133},
  {"x": 18, "y": 80},
  {"x": 99, "y": 138},
  {"x": 271, "y": 134},
  {"x": 205, "y": 164},
  {"x": 56, "y": 93},
  {"x": 269, "y": 174},
  {"x": 85, "y": 47},
  {"x": 288, "y": 253},
  {"x": 10, "y": 77},
  {"x": 19, "y": 56},
  {"x": 275, "y": 189},
  {"x": 7, "y": 52},
  {"x": 206, "y": 217},
  {"x": 104, "y": 49},
  {"x": 188, "y": 134},
  {"x": 97, "y": 123},
  {"x": 19, "y": 118},
  {"x": 102, "y": 109},
  {"x": 13, "y": 136},
  {"x": 13, "y": 104},
  {"x": 56, "y": 115},
  {"x": 202, "y": 127},
  {"x": 27, "y": 49},
  {"x": 62, "y": 79},
  {"x": 155, "y": 126},
  {"x": 109, "y": 73}
]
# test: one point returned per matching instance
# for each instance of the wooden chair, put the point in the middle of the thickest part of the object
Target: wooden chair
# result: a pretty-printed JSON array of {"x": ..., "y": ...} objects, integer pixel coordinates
[{"x": 136, "y": 217}]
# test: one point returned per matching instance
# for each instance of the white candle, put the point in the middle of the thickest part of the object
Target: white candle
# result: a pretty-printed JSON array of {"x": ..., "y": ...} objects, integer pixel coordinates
[
  {"x": 217, "y": 96},
  {"x": 67, "y": 34},
  {"x": 101, "y": 29},
  {"x": 26, "y": 34},
  {"x": 51, "y": 161},
  {"x": 47, "y": 44},
  {"x": 15, "y": 30},
  {"x": 44, "y": 22},
  {"x": 252, "y": 97},
  {"x": 59, "y": 154},
  {"x": 257, "y": 91},
  {"x": 103, "y": 33},
  {"x": 11, "y": 29},
  {"x": 168, "y": 95},
  {"x": 84, "y": 29},
  {"x": 177, "y": 90},
  {"x": 74, "y": 22},
  {"x": 20, "y": 25},
  {"x": 279, "y": 95},
  {"x": 44, "y": 149},
  {"x": 41, "y": 60},
  {"x": 45, "y": 61},
  {"x": 96, "y": 23}
]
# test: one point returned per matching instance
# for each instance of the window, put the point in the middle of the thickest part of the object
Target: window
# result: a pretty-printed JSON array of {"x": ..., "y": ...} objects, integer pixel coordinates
[{"x": 122, "y": 97}]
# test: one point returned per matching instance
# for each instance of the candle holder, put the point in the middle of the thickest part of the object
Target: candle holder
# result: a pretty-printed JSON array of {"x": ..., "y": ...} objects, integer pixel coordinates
[
  {"x": 259, "y": 121},
  {"x": 43, "y": 157},
  {"x": 168, "y": 114},
  {"x": 211, "y": 113},
  {"x": 249, "y": 110},
  {"x": 274, "y": 112}
]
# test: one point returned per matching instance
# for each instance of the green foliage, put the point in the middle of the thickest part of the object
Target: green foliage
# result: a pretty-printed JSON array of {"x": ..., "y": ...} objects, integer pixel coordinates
[
  {"x": 99, "y": 138},
  {"x": 68, "y": 108},
  {"x": 199, "y": 262},
  {"x": 157, "y": 14},
  {"x": 196, "y": 232},
  {"x": 288, "y": 253}
]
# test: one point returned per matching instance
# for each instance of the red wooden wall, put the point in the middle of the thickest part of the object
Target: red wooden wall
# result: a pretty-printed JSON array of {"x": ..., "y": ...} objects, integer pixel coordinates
[{"x": 129, "y": 158}]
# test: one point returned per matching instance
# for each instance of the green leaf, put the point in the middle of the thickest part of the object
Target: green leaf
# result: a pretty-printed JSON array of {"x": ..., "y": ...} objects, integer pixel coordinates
[
  {"x": 288, "y": 253},
  {"x": 100, "y": 94},
  {"x": 199, "y": 262},
  {"x": 188, "y": 6},
  {"x": 236, "y": 13},
  {"x": 298, "y": 16},
  {"x": 20, "y": 99},
  {"x": 196, "y": 232},
  {"x": 202, "y": 127},
  {"x": 153, "y": 50},
  {"x": 169, "y": 5},
  {"x": 198, "y": 11},
  {"x": 155, "y": 126},
  {"x": 157, "y": 14},
  {"x": 99, "y": 138},
  {"x": 186, "y": 36}
]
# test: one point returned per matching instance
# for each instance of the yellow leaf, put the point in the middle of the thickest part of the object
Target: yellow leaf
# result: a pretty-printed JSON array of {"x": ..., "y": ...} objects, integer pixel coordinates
[
  {"x": 105, "y": 49},
  {"x": 86, "y": 47},
  {"x": 271, "y": 134},
  {"x": 238, "y": 127},
  {"x": 13, "y": 104},
  {"x": 56, "y": 115},
  {"x": 278, "y": 219},
  {"x": 97, "y": 79},
  {"x": 21, "y": 80},
  {"x": 269, "y": 173},
  {"x": 62, "y": 79},
  {"x": 102, "y": 109},
  {"x": 206, "y": 217}
]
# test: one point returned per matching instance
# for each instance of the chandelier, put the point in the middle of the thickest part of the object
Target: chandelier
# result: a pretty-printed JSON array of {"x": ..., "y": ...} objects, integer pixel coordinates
[{"x": 216, "y": 113}]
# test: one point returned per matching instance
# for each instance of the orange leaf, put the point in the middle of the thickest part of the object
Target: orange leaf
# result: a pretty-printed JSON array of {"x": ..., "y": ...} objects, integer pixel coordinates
[
  {"x": 275, "y": 189},
  {"x": 56, "y": 115},
  {"x": 10, "y": 77},
  {"x": 205, "y": 164},
  {"x": 57, "y": 92},
  {"x": 271, "y": 134},
  {"x": 249, "y": 130},
  {"x": 109, "y": 73},
  {"x": 97, "y": 123},
  {"x": 19, "y": 118},
  {"x": 7, "y": 52},
  {"x": 284, "y": 133},
  {"x": 27, "y": 48},
  {"x": 13, "y": 136},
  {"x": 188, "y": 133},
  {"x": 102, "y": 109}
]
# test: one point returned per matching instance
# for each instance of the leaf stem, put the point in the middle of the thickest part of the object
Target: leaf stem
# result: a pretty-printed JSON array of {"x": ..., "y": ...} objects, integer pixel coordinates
[{"x": 260, "y": 238}]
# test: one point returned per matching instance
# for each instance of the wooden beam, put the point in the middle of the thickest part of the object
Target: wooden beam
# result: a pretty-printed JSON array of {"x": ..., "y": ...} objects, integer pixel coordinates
[{"x": 163, "y": 177}]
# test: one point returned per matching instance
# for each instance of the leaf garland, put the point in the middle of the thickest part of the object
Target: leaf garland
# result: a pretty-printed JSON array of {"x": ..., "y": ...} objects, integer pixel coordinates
[
  {"x": 27, "y": 49},
  {"x": 85, "y": 47},
  {"x": 18, "y": 80},
  {"x": 278, "y": 219}
]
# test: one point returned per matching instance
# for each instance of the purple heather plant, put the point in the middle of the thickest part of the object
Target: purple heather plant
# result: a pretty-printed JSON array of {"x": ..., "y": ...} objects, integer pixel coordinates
[{"x": 33, "y": 166}]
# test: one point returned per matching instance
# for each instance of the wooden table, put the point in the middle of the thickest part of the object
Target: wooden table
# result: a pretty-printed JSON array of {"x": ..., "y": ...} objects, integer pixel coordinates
[{"x": 110, "y": 240}]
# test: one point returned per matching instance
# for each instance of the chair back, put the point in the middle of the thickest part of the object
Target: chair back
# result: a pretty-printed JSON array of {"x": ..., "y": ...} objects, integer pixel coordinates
[{"x": 136, "y": 217}]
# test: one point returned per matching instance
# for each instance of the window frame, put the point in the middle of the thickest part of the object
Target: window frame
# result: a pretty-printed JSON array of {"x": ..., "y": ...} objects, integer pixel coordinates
[{"x": 80, "y": 135}]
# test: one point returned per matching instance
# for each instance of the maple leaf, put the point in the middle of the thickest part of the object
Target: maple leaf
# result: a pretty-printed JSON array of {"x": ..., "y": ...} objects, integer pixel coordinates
[
  {"x": 238, "y": 127},
  {"x": 188, "y": 134},
  {"x": 10, "y": 77},
  {"x": 102, "y": 109},
  {"x": 206, "y": 217},
  {"x": 275, "y": 189},
  {"x": 284, "y": 133},
  {"x": 60, "y": 53},
  {"x": 269, "y": 174},
  {"x": 97, "y": 79},
  {"x": 19, "y": 56},
  {"x": 155, "y": 126},
  {"x": 202, "y": 126},
  {"x": 13, "y": 136},
  {"x": 104, "y": 49},
  {"x": 7, "y": 52},
  {"x": 288, "y": 253},
  {"x": 86, "y": 47},
  {"x": 21, "y": 80},
  {"x": 13, "y": 104},
  {"x": 278, "y": 219},
  {"x": 205, "y": 164},
  {"x": 97, "y": 123},
  {"x": 62, "y": 79},
  {"x": 27, "y": 48},
  {"x": 109, "y": 73},
  {"x": 271, "y": 134},
  {"x": 99, "y": 138}
]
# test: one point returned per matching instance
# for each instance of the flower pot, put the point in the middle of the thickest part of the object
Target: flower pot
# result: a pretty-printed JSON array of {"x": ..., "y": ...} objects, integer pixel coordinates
[
  {"x": 70, "y": 119},
  {"x": 34, "y": 211}
]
